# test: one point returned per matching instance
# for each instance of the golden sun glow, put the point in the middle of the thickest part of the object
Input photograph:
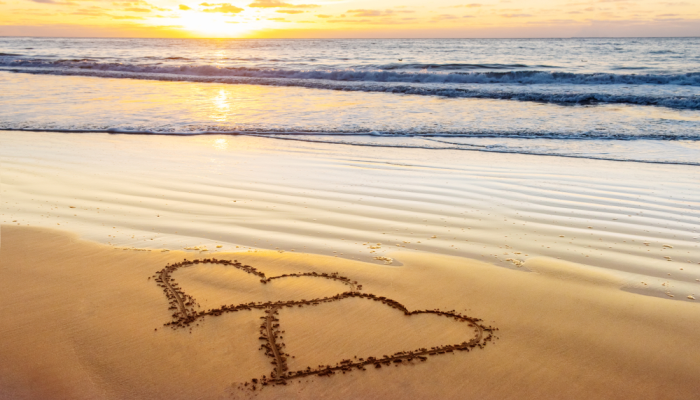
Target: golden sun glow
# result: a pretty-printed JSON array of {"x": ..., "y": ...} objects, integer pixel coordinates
[
  {"x": 348, "y": 18},
  {"x": 208, "y": 25}
]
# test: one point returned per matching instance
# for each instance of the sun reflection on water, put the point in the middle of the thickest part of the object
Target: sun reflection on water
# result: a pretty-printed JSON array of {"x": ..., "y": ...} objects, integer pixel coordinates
[{"x": 222, "y": 106}]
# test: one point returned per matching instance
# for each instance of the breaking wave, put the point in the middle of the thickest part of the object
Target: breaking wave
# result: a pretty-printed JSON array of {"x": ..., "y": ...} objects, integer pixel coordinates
[
  {"x": 536, "y": 86},
  {"x": 383, "y": 73}
]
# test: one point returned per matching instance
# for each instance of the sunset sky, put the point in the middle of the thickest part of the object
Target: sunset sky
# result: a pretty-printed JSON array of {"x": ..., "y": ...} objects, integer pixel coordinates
[{"x": 348, "y": 18}]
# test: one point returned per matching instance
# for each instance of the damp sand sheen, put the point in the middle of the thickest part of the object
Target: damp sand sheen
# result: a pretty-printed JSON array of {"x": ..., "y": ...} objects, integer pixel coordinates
[{"x": 92, "y": 308}]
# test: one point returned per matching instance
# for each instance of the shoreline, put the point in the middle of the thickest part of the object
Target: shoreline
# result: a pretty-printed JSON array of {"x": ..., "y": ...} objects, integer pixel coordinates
[{"x": 280, "y": 135}]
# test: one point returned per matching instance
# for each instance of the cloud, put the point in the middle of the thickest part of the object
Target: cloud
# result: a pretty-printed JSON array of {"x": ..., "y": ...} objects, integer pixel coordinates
[
  {"x": 126, "y": 3},
  {"x": 470, "y": 5},
  {"x": 447, "y": 17},
  {"x": 58, "y": 3},
  {"x": 184, "y": 7},
  {"x": 34, "y": 12},
  {"x": 323, "y": 15},
  {"x": 516, "y": 15},
  {"x": 221, "y": 8},
  {"x": 377, "y": 13},
  {"x": 138, "y": 6},
  {"x": 554, "y": 22},
  {"x": 279, "y": 4},
  {"x": 443, "y": 17},
  {"x": 353, "y": 21},
  {"x": 115, "y": 29},
  {"x": 369, "y": 13},
  {"x": 290, "y": 11},
  {"x": 91, "y": 11},
  {"x": 278, "y": 19},
  {"x": 372, "y": 21}
]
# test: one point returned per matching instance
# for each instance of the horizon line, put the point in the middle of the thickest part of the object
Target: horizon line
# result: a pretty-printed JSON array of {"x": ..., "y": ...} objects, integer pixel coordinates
[{"x": 353, "y": 38}]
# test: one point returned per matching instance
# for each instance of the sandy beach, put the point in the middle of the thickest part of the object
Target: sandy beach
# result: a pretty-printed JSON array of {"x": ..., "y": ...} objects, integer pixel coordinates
[{"x": 588, "y": 269}]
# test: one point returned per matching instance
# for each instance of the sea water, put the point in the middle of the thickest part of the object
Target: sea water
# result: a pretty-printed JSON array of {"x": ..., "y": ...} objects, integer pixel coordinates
[{"x": 635, "y": 99}]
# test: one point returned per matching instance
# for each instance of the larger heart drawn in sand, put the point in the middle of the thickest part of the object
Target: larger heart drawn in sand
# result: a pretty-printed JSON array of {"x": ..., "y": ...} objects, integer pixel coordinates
[{"x": 185, "y": 313}]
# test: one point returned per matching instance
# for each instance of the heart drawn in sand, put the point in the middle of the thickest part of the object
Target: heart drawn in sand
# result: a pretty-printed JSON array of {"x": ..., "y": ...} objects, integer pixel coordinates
[{"x": 185, "y": 313}]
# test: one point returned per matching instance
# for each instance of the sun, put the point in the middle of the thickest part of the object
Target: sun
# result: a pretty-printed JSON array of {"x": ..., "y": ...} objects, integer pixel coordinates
[{"x": 211, "y": 25}]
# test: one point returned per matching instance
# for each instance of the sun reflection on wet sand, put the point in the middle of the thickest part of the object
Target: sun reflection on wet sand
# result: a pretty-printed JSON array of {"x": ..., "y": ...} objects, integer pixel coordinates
[{"x": 221, "y": 144}]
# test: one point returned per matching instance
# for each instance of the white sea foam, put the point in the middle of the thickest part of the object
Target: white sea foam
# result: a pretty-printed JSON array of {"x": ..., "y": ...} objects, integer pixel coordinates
[
  {"x": 426, "y": 73},
  {"x": 567, "y": 91}
]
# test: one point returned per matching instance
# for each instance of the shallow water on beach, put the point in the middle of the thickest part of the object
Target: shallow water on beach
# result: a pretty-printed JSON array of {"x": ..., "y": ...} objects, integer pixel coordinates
[
  {"x": 609, "y": 132},
  {"x": 613, "y": 99}
]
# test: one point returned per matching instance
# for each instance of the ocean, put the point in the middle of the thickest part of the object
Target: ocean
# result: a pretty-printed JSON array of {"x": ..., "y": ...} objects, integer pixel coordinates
[{"x": 635, "y": 99}]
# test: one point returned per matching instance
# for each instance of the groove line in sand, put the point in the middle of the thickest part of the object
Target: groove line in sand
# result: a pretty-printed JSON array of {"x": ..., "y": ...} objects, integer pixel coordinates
[{"x": 185, "y": 314}]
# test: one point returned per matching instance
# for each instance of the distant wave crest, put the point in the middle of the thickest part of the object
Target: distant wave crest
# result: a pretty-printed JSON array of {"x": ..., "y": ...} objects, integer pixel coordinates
[
  {"x": 493, "y": 85},
  {"x": 194, "y": 130},
  {"x": 383, "y": 73}
]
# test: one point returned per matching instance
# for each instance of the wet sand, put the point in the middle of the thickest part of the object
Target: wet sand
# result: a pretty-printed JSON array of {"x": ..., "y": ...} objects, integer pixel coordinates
[
  {"x": 329, "y": 271},
  {"x": 86, "y": 320},
  {"x": 233, "y": 193}
]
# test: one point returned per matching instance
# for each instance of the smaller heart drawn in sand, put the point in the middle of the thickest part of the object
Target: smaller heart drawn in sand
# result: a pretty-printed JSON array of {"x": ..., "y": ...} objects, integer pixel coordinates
[
  {"x": 186, "y": 313},
  {"x": 214, "y": 284}
]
